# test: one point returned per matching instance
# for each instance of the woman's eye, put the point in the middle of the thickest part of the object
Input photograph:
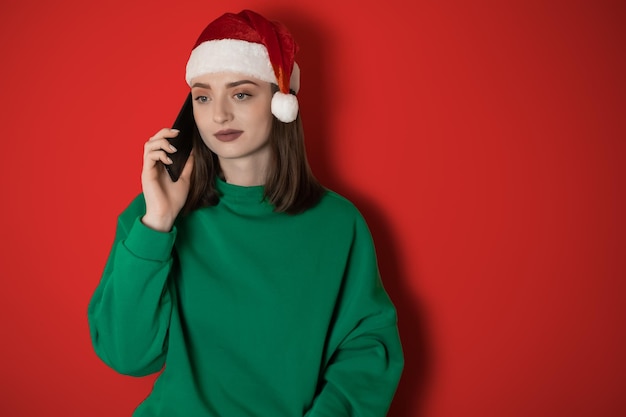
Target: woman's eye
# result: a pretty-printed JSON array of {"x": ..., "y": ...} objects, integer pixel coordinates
[
  {"x": 242, "y": 96},
  {"x": 202, "y": 99}
]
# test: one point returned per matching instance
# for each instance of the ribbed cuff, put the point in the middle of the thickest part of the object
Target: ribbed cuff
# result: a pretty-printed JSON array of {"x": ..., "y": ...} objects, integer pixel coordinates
[{"x": 150, "y": 244}]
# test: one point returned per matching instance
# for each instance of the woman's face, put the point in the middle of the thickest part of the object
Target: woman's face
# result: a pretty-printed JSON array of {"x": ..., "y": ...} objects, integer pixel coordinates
[{"x": 233, "y": 114}]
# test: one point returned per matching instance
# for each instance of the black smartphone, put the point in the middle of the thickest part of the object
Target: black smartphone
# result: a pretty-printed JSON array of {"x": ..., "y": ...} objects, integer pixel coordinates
[{"x": 183, "y": 143}]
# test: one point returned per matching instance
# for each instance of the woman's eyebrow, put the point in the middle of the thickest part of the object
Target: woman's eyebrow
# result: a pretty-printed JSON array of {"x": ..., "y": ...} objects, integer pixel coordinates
[
  {"x": 237, "y": 83},
  {"x": 229, "y": 85},
  {"x": 201, "y": 85}
]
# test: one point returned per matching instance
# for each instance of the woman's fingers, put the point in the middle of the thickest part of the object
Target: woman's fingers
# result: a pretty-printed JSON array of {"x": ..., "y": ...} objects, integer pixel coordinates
[
  {"x": 156, "y": 143},
  {"x": 158, "y": 147},
  {"x": 157, "y": 156},
  {"x": 164, "y": 133}
]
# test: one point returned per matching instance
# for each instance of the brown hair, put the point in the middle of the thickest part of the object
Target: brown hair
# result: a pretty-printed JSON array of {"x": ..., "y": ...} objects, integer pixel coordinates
[{"x": 290, "y": 185}]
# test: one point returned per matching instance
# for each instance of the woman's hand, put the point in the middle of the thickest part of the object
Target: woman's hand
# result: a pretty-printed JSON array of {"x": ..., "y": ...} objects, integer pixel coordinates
[{"x": 164, "y": 198}]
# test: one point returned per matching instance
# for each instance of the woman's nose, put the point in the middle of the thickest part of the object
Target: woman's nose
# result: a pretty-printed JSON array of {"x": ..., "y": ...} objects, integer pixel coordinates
[{"x": 222, "y": 111}]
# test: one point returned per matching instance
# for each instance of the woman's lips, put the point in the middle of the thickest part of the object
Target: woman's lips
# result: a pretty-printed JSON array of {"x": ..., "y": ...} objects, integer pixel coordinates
[{"x": 228, "y": 135}]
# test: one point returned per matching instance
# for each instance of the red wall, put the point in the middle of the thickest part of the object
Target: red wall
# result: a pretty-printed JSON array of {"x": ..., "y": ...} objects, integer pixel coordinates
[{"x": 483, "y": 141}]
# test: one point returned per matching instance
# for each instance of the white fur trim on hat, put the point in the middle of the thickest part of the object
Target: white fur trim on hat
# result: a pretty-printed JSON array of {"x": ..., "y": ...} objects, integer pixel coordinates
[
  {"x": 235, "y": 55},
  {"x": 230, "y": 55}
]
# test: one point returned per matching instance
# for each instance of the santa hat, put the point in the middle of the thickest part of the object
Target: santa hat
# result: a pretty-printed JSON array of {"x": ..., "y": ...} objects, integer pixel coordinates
[{"x": 250, "y": 44}]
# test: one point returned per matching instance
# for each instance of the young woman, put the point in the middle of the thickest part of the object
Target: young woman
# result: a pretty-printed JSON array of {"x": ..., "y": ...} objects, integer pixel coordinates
[{"x": 254, "y": 290}]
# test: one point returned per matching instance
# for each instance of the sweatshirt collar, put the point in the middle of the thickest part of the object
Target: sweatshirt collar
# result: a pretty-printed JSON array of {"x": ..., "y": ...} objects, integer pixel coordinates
[{"x": 250, "y": 198}]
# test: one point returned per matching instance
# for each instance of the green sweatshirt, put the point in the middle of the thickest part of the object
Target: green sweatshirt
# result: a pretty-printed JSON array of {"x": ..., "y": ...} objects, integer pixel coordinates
[{"x": 248, "y": 312}]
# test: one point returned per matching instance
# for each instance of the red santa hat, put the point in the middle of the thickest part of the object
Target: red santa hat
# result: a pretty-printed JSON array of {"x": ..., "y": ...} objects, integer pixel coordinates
[{"x": 250, "y": 44}]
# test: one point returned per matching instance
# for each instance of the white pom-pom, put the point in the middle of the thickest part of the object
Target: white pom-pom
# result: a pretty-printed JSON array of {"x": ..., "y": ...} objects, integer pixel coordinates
[{"x": 285, "y": 107}]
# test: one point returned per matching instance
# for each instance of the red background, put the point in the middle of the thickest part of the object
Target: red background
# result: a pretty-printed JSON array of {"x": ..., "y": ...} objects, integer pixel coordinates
[{"x": 483, "y": 141}]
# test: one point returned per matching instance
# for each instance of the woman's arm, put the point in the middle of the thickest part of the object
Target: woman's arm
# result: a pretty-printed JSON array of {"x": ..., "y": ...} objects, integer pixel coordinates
[
  {"x": 130, "y": 310},
  {"x": 365, "y": 358}
]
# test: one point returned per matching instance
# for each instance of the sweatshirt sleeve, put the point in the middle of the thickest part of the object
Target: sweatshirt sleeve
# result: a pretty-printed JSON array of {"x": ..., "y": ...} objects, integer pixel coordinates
[
  {"x": 130, "y": 310},
  {"x": 365, "y": 358}
]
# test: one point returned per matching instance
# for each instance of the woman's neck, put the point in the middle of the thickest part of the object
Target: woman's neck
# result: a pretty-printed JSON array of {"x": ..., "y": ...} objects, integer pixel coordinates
[{"x": 244, "y": 172}]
